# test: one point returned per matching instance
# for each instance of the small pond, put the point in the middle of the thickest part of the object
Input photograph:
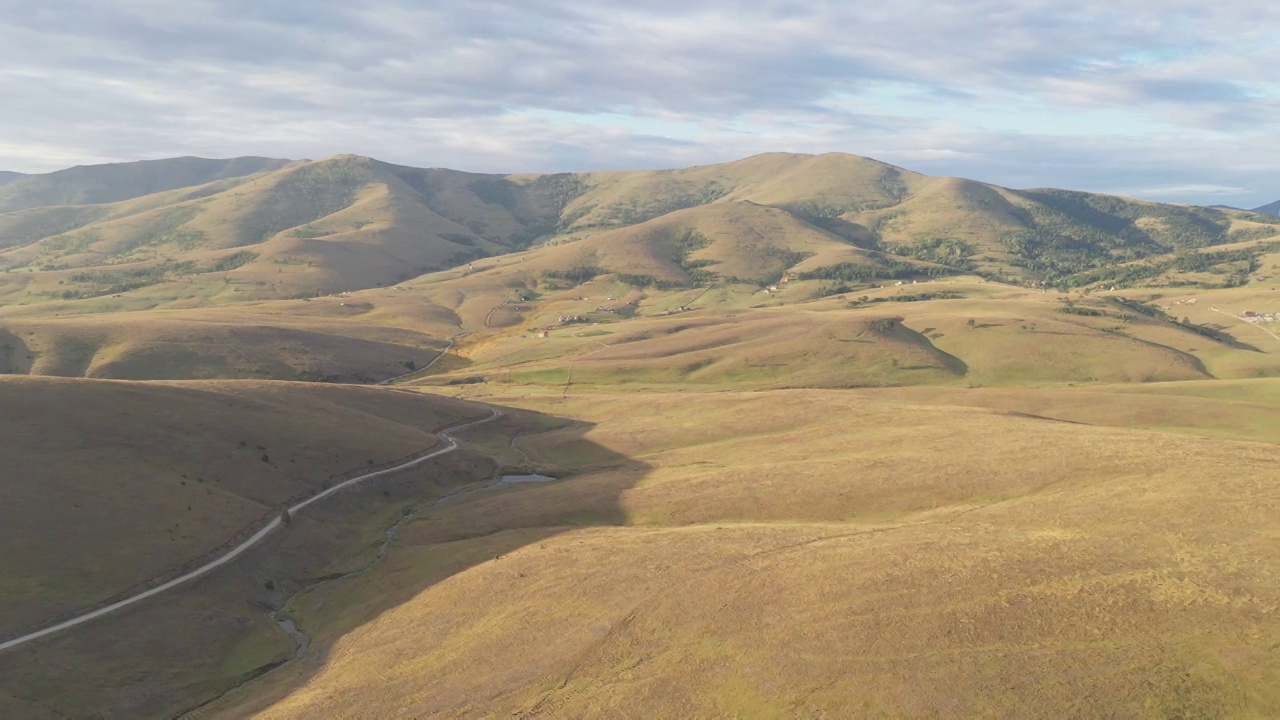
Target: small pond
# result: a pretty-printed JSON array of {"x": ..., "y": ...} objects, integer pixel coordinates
[{"x": 515, "y": 479}]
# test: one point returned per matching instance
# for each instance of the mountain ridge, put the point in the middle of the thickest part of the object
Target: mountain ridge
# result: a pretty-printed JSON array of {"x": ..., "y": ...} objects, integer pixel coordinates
[
  {"x": 1269, "y": 209},
  {"x": 297, "y": 229},
  {"x": 115, "y": 182}
]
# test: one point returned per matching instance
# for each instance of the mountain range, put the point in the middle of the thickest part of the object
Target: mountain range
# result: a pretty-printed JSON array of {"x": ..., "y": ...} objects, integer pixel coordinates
[
  {"x": 99, "y": 184},
  {"x": 180, "y": 232},
  {"x": 1269, "y": 208},
  {"x": 793, "y": 435}
]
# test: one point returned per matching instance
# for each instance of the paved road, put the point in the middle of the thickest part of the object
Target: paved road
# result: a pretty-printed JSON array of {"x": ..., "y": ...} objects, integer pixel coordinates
[{"x": 450, "y": 445}]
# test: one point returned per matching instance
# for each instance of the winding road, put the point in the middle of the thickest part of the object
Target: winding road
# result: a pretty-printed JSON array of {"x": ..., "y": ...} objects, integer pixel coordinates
[
  {"x": 445, "y": 435},
  {"x": 422, "y": 369}
]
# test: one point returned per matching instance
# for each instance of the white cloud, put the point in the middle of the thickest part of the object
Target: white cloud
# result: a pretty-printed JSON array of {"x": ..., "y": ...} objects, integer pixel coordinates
[
  {"x": 560, "y": 84},
  {"x": 1183, "y": 190}
]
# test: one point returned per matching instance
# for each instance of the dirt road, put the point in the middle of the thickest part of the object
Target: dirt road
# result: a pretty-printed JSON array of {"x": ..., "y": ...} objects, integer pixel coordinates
[{"x": 446, "y": 435}]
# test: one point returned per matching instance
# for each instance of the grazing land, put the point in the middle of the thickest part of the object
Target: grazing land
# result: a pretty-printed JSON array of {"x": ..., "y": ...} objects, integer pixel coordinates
[
  {"x": 799, "y": 552},
  {"x": 828, "y": 437}
]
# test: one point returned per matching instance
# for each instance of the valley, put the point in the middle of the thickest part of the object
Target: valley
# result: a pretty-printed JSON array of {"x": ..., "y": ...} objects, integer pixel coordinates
[{"x": 824, "y": 436}]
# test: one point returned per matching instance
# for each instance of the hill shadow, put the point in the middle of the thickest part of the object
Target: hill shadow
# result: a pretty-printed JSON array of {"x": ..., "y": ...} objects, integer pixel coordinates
[
  {"x": 15, "y": 356},
  {"x": 175, "y": 654},
  {"x": 472, "y": 506}
]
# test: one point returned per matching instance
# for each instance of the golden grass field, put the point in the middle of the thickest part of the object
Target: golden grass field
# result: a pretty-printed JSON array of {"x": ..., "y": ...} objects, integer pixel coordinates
[
  {"x": 109, "y": 485},
  {"x": 777, "y": 496},
  {"x": 260, "y": 230},
  {"x": 1089, "y": 527},
  {"x": 973, "y": 333},
  {"x": 825, "y": 552}
]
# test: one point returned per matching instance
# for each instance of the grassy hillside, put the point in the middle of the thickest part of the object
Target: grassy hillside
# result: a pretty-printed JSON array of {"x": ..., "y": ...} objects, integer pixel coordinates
[
  {"x": 832, "y": 438},
  {"x": 613, "y": 328},
  {"x": 7, "y": 177},
  {"x": 799, "y": 552},
  {"x": 97, "y": 184},
  {"x": 109, "y": 485},
  {"x": 170, "y": 346},
  {"x": 316, "y": 228},
  {"x": 785, "y": 291},
  {"x": 347, "y": 223},
  {"x": 821, "y": 186},
  {"x": 952, "y": 331},
  {"x": 1222, "y": 266}
]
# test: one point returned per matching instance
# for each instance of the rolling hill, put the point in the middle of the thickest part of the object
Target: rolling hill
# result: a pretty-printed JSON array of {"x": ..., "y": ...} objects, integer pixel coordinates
[
  {"x": 110, "y": 485},
  {"x": 830, "y": 437},
  {"x": 99, "y": 184},
  {"x": 7, "y": 177},
  {"x": 807, "y": 553},
  {"x": 346, "y": 223},
  {"x": 954, "y": 331},
  {"x": 509, "y": 319},
  {"x": 194, "y": 444},
  {"x": 171, "y": 346}
]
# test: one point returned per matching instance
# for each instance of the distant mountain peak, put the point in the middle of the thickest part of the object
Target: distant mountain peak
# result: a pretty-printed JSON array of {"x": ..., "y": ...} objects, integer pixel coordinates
[
  {"x": 114, "y": 182},
  {"x": 1269, "y": 208}
]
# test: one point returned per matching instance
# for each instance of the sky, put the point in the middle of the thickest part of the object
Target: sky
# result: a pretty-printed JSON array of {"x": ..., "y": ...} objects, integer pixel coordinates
[{"x": 1173, "y": 101}]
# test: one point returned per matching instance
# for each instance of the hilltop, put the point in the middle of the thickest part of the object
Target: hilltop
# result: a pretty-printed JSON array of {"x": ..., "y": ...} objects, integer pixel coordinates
[
  {"x": 267, "y": 229},
  {"x": 827, "y": 436},
  {"x": 1269, "y": 209},
  {"x": 640, "y": 312},
  {"x": 99, "y": 184}
]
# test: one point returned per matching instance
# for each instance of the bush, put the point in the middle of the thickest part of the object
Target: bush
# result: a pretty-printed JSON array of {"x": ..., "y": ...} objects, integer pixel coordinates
[{"x": 579, "y": 274}]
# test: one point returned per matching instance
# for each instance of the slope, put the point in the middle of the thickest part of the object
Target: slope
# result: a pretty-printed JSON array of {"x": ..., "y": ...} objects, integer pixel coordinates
[
  {"x": 1220, "y": 266},
  {"x": 179, "y": 346},
  {"x": 309, "y": 229},
  {"x": 819, "y": 553},
  {"x": 1269, "y": 208},
  {"x": 108, "y": 485},
  {"x": 737, "y": 241},
  {"x": 820, "y": 185},
  {"x": 97, "y": 184},
  {"x": 117, "y": 486},
  {"x": 348, "y": 222},
  {"x": 514, "y": 319},
  {"x": 958, "y": 331}
]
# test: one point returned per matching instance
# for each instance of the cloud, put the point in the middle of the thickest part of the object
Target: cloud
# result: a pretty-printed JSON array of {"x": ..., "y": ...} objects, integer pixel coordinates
[
  {"x": 1182, "y": 190},
  {"x": 996, "y": 88}
]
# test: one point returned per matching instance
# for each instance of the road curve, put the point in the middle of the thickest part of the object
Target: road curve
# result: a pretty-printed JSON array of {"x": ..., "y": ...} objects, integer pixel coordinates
[
  {"x": 424, "y": 368},
  {"x": 450, "y": 445}
]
